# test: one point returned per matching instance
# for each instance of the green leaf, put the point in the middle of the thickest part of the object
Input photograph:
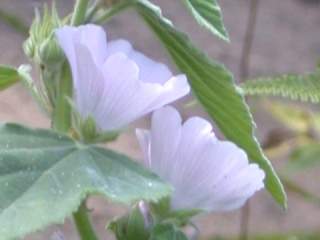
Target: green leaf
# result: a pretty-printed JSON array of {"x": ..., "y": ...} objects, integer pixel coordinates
[
  {"x": 305, "y": 156},
  {"x": 305, "y": 88},
  {"x": 8, "y": 76},
  {"x": 208, "y": 14},
  {"x": 45, "y": 176},
  {"x": 214, "y": 87},
  {"x": 167, "y": 231}
]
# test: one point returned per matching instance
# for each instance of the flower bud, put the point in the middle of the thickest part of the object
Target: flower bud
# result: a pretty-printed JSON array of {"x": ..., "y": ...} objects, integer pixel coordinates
[
  {"x": 41, "y": 45},
  {"x": 50, "y": 52},
  {"x": 29, "y": 48},
  {"x": 136, "y": 225}
]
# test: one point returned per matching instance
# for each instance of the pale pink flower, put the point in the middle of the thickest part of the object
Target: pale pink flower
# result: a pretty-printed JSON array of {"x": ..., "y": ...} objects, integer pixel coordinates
[
  {"x": 206, "y": 173},
  {"x": 113, "y": 83}
]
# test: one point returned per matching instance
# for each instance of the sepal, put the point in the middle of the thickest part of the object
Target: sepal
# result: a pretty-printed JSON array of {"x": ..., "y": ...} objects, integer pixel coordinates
[{"x": 135, "y": 225}]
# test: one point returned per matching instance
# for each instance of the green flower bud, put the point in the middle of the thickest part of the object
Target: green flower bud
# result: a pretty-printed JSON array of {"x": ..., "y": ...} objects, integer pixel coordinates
[
  {"x": 88, "y": 131},
  {"x": 135, "y": 225},
  {"x": 41, "y": 46},
  {"x": 50, "y": 52},
  {"x": 29, "y": 48}
]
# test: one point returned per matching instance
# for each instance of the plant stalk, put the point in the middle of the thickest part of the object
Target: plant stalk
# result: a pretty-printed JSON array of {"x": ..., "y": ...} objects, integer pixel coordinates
[
  {"x": 61, "y": 119},
  {"x": 82, "y": 222},
  {"x": 244, "y": 72},
  {"x": 248, "y": 40},
  {"x": 79, "y": 13},
  {"x": 111, "y": 11},
  {"x": 62, "y": 123}
]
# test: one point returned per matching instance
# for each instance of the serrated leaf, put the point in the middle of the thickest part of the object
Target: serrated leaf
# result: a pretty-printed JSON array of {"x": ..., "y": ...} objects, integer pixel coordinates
[
  {"x": 208, "y": 14},
  {"x": 304, "y": 88},
  {"x": 45, "y": 176},
  {"x": 214, "y": 87},
  {"x": 8, "y": 76}
]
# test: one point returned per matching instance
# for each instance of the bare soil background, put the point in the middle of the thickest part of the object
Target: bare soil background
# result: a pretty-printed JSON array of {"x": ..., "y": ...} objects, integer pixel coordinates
[{"x": 287, "y": 39}]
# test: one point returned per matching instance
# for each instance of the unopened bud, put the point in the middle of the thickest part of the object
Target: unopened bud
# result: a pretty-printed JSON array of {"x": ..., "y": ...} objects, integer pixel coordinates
[
  {"x": 41, "y": 46},
  {"x": 50, "y": 52}
]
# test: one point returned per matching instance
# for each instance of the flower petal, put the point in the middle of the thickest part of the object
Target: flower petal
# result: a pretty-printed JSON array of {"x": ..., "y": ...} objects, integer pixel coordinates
[
  {"x": 93, "y": 37},
  {"x": 175, "y": 88},
  {"x": 85, "y": 48},
  {"x": 227, "y": 179},
  {"x": 113, "y": 83},
  {"x": 165, "y": 138},
  {"x": 150, "y": 71},
  {"x": 144, "y": 140},
  {"x": 205, "y": 172},
  {"x": 88, "y": 83},
  {"x": 126, "y": 98}
]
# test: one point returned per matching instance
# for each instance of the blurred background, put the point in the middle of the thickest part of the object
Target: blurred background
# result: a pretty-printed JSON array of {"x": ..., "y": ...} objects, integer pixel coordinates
[{"x": 286, "y": 39}]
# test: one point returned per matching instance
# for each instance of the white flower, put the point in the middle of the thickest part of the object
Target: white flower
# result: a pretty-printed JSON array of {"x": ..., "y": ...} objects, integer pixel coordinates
[
  {"x": 206, "y": 173},
  {"x": 113, "y": 83}
]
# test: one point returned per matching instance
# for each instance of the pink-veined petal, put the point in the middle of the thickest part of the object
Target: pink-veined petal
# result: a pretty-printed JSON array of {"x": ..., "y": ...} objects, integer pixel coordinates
[{"x": 205, "y": 172}]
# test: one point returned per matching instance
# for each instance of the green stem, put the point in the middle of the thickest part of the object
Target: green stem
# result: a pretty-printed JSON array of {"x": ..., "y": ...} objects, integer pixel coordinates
[
  {"x": 92, "y": 11},
  {"x": 83, "y": 224},
  {"x": 79, "y": 13},
  {"x": 62, "y": 122},
  {"x": 62, "y": 113},
  {"x": 110, "y": 12}
]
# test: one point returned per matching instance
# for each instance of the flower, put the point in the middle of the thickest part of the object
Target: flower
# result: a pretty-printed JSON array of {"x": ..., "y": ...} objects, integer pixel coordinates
[
  {"x": 113, "y": 83},
  {"x": 205, "y": 172}
]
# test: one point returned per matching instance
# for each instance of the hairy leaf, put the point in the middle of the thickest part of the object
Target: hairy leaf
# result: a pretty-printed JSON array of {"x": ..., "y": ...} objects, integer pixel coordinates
[
  {"x": 208, "y": 14},
  {"x": 305, "y": 88},
  {"x": 214, "y": 87},
  {"x": 45, "y": 176},
  {"x": 8, "y": 76}
]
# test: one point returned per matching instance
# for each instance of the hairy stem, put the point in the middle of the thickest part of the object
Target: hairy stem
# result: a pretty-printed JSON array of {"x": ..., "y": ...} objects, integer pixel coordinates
[
  {"x": 111, "y": 11},
  {"x": 61, "y": 119},
  {"x": 83, "y": 224},
  {"x": 79, "y": 13},
  {"x": 62, "y": 122},
  {"x": 248, "y": 40},
  {"x": 244, "y": 72}
]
